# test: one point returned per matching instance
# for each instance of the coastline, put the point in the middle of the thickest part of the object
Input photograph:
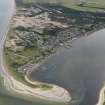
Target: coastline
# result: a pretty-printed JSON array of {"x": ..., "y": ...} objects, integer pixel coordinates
[
  {"x": 17, "y": 89},
  {"x": 101, "y": 99},
  {"x": 48, "y": 95},
  {"x": 57, "y": 94}
]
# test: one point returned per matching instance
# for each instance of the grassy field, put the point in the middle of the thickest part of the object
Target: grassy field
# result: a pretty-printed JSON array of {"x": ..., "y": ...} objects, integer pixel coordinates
[
  {"x": 90, "y": 5},
  {"x": 13, "y": 63}
]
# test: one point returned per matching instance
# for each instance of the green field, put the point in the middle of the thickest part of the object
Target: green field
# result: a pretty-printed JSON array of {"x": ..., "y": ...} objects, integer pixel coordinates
[{"x": 90, "y": 5}]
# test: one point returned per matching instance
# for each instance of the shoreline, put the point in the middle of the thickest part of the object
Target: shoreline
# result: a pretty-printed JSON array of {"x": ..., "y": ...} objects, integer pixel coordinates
[
  {"x": 101, "y": 99},
  {"x": 17, "y": 87},
  {"x": 14, "y": 84},
  {"x": 55, "y": 94}
]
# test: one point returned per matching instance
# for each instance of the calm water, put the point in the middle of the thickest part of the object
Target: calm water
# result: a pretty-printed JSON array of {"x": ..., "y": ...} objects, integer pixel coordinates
[{"x": 80, "y": 69}]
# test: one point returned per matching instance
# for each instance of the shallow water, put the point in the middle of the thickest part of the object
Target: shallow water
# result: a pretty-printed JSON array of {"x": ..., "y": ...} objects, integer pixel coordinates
[{"x": 80, "y": 69}]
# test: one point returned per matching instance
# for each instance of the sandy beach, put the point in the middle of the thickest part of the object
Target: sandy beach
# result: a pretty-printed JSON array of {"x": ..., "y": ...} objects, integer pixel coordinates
[
  {"x": 56, "y": 94},
  {"x": 101, "y": 99}
]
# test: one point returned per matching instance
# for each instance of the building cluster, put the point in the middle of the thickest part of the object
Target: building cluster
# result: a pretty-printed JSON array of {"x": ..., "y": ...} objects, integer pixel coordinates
[
  {"x": 48, "y": 29},
  {"x": 33, "y": 27}
]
